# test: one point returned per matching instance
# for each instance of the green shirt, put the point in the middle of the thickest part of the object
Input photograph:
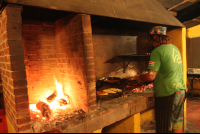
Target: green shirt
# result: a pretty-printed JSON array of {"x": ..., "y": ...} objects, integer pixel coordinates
[{"x": 166, "y": 60}]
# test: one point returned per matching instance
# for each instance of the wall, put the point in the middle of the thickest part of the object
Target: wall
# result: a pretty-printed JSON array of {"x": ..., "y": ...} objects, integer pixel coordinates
[
  {"x": 193, "y": 31},
  {"x": 40, "y": 58},
  {"x": 178, "y": 37},
  {"x": 76, "y": 60},
  {"x": 13, "y": 72},
  {"x": 109, "y": 43}
]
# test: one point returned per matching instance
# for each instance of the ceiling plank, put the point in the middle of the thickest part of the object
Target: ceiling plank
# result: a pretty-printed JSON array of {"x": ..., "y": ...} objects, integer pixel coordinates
[
  {"x": 138, "y": 10},
  {"x": 189, "y": 13}
]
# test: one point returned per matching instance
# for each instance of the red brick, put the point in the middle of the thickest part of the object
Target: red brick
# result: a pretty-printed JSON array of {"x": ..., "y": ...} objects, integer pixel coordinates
[
  {"x": 22, "y": 106},
  {"x": 124, "y": 105},
  {"x": 17, "y": 66},
  {"x": 88, "y": 47},
  {"x": 26, "y": 28},
  {"x": 92, "y": 102},
  {"x": 14, "y": 43},
  {"x": 92, "y": 108},
  {"x": 22, "y": 113},
  {"x": 119, "y": 107},
  {"x": 14, "y": 19},
  {"x": 87, "y": 41},
  {"x": 48, "y": 23},
  {"x": 16, "y": 51},
  {"x": 32, "y": 22},
  {"x": 87, "y": 29},
  {"x": 90, "y": 67},
  {"x": 138, "y": 101},
  {"x": 89, "y": 54},
  {"x": 15, "y": 6},
  {"x": 110, "y": 110},
  {"x": 89, "y": 60},
  {"x": 93, "y": 91},
  {"x": 91, "y": 79},
  {"x": 31, "y": 33},
  {"x": 14, "y": 35},
  {"x": 13, "y": 11},
  {"x": 6, "y": 51},
  {"x": 5, "y": 36},
  {"x": 19, "y": 75},
  {"x": 21, "y": 99},
  {"x": 37, "y": 28},
  {"x": 24, "y": 127},
  {"x": 8, "y": 73},
  {"x": 87, "y": 35},
  {"x": 46, "y": 28},
  {"x": 13, "y": 27},
  {"x": 19, "y": 83},
  {"x": 131, "y": 104},
  {"x": 90, "y": 73},
  {"x": 17, "y": 59},
  {"x": 103, "y": 112}
]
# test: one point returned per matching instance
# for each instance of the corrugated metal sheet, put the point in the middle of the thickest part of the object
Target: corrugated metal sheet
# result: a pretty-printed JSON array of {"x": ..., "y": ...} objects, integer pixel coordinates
[{"x": 138, "y": 10}]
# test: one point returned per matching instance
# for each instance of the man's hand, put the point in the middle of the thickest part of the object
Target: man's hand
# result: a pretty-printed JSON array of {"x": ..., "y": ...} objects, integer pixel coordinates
[
  {"x": 186, "y": 89},
  {"x": 137, "y": 78}
]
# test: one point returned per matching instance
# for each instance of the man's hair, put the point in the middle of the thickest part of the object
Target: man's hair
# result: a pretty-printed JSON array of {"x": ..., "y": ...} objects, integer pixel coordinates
[{"x": 160, "y": 39}]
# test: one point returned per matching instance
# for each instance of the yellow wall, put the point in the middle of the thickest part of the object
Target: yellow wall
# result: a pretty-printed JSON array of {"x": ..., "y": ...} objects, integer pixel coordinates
[
  {"x": 10, "y": 126},
  {"x": 178, "y": 37},
  {"x": 147, "y": 116},
  {"x": 128, "y": 125},
  {"x": 193, "y": 31}
]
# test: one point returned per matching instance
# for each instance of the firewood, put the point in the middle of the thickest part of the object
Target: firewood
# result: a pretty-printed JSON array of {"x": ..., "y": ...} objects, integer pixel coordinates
[
  {"x": 52, "y": 97},
  {"x": 44, "y": 108},
  {"x": 62, "y": 102}
]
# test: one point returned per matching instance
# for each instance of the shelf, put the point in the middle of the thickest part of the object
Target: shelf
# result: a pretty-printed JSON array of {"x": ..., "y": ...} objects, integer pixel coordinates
[{"x": 132, "y": 55}]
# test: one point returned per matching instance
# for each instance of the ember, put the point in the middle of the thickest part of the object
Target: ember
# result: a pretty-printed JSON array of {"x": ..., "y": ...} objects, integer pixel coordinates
[{"x": 128, "y": 86}]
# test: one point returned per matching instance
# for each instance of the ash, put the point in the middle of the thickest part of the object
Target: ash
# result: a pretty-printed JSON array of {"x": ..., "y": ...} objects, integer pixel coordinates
[{"x": 63, "y": 120}]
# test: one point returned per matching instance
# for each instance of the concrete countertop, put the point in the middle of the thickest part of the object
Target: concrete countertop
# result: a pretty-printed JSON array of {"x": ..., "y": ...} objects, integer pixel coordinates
[{"x": 112, "y": 111}]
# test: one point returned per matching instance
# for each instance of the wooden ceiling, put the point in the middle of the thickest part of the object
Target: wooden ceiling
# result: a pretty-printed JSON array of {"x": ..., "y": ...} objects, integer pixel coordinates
[
  {"x": 186, "y": 11},
  {"x": 123, "y": 13}
]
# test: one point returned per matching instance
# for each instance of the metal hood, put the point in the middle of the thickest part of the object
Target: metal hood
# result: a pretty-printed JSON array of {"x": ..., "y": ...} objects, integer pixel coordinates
[{"x": 138, "y": 10}]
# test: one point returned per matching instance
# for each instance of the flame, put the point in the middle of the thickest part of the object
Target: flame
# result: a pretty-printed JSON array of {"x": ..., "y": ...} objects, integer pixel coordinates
[{"x": 53, "y": 105}]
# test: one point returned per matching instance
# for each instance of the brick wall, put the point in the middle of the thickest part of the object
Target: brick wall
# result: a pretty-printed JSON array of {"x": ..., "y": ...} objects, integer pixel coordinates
[
  {"x": 40, "y": 58},
  {"x": 76, "y": 60},
  {"x": 13, "y": 72}
]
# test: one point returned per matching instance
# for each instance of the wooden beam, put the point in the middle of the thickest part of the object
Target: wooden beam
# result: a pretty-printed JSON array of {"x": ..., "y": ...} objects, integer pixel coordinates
[{"x": 141, "y": 10}]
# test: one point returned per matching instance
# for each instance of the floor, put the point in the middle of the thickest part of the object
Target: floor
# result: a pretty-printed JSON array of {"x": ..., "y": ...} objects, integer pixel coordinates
[{"x": 193, "y": 117}]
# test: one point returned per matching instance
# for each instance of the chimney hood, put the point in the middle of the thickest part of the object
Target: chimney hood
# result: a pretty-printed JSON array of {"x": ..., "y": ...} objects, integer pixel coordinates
[{"x": 150, "y": 11}]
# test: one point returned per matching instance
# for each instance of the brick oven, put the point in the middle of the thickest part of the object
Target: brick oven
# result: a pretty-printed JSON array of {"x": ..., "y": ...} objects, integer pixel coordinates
[
  {"x": 37, "y": 57},
  {"x": 49, "y": 69}
]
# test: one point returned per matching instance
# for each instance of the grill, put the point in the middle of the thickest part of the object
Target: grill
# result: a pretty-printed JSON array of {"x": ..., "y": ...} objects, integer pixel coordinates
[{"x": 128, "y": 86}]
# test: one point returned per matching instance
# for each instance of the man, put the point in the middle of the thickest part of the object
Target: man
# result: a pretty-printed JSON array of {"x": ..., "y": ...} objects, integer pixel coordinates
[{"x": 165, "y": 69}]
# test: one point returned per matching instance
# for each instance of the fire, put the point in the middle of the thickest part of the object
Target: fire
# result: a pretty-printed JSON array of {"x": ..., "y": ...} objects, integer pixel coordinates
[{"x": 54, "y": 104}]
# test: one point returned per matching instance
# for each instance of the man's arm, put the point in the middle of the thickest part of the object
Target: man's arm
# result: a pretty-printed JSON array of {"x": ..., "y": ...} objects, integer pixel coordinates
[{"x": 150, "y": 76}]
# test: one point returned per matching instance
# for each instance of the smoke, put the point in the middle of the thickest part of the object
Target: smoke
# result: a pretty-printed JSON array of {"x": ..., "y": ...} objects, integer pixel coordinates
[{"x": 129, "y": 72}]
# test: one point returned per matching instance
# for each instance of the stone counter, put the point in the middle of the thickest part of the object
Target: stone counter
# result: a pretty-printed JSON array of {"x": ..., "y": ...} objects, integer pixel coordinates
[{"x": 110, "y": 112}]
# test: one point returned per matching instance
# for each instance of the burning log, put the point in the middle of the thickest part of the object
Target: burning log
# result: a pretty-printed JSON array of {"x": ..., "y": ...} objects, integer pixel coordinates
[
  {"x": 44, "y": 108},
  {"x": 62, "y": 102},
  {"x": 52, "y": 97}
]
